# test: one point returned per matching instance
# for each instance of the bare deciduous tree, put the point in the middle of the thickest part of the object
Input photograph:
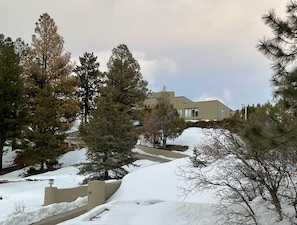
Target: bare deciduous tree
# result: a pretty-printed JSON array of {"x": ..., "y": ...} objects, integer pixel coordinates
[
  {"x": 163, "y": 121},
  {"x": 150, "y": 128},
  {"x": 243, "y": 176}
]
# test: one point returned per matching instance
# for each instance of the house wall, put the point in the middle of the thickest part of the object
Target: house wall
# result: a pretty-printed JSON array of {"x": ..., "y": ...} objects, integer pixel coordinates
[{"x": 207, "y": 110}]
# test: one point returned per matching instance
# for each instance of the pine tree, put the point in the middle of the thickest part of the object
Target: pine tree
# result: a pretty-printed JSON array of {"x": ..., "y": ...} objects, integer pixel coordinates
[
  {"x": 12, "y": 102},
  {"x": 50, "y": 91},
  {"x": 110, "y": 134},
  {"x": 281, "y": 49},
  {"x": 89, "y": 79},
  {"x": 126, "y": 81}
]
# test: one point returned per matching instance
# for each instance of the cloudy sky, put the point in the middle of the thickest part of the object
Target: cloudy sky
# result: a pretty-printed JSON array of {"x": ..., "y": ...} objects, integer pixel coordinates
[{"x": 201, "y": 49}]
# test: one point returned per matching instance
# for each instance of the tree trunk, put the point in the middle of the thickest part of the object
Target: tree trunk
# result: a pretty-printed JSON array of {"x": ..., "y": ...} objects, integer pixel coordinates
[
  {"x": 2, "y": 143},
  {"x": 276, "y": 203},
  {"x": 106, "y": 176},
  {"x": 86, "y": 109},
  {"x": 164, "y": 142},
  {"x": 41, "y": 165},
  {"x": 1, "y": 154},
  {"x": 85, "y": 115}
]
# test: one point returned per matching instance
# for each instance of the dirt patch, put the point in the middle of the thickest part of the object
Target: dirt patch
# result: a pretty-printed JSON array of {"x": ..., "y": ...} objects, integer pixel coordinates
[
  {"x": 11, "y": 169},
  {"x": 4, "y": 181},
  {"x": 180, "y": 148}
]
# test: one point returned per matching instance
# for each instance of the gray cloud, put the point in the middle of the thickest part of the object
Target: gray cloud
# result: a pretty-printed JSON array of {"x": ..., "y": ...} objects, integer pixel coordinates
[{"x": 191, "y": 46}]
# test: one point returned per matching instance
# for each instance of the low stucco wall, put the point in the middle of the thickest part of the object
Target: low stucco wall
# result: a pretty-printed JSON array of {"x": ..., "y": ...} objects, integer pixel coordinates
[
  {"x": 71, "y": 194},
  {"x": 97, "y": 191},
  {"x": 55, "y": 195},
  {"x": 111, "y": 188}
]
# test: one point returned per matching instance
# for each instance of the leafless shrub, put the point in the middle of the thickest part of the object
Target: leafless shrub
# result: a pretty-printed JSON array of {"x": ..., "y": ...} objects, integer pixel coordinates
[
  {"x": 240, "y": 174},
  {"x": 19, "y": 207}
]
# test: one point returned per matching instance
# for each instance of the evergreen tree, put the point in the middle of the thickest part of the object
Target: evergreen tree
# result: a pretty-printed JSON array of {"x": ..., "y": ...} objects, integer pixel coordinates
[
  {"x": 89, "y": 79},
  {"x": 12, "y": 104},
  {"x": 110, "y": 134},
  {"x": 50, "y": 89},
  {"x": 125, "y": 79},
  {"x": 281, "y": 49}
]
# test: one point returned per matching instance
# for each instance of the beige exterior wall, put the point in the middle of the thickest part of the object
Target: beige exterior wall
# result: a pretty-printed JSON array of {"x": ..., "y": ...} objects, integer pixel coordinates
[
  {"x": 204, "y": 110},
  {"x": 97, "y": 191},
  {"x": 55, "y": 195},
  {"x": 111, "y": 188}
]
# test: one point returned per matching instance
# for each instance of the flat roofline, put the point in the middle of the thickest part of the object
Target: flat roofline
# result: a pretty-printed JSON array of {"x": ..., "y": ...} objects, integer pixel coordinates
[
  {"x": 184, "y": 98},
  {"x": 190, "y": 101}
]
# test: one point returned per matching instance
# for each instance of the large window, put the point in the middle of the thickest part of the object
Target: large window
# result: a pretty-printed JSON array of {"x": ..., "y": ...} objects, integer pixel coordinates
[{"x": 193, "y": 112}]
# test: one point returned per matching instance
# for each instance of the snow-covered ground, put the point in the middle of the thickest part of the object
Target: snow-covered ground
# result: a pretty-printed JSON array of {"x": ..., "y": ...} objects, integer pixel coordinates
[{"x": 149, "y": 194}]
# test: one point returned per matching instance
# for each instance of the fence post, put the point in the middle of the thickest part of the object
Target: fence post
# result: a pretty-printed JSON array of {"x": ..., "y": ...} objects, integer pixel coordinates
[
  {"x": 50, "y": 195},
  {"x": 96, "y": 193}
]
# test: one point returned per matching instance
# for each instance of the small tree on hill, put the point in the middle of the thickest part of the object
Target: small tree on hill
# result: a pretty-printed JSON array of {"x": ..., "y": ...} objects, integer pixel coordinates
[
  {"x": 89, "y": 79},
  {"x": 150, "y": 128},
  {"x": 163, "y": 122},
  {"x": 110, "y": 135},
  {"x": 169, "y": 122}
]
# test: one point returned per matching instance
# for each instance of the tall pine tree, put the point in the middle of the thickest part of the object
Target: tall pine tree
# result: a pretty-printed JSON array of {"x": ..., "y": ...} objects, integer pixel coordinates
[
  {"x": 50, "y": 89},
  {"x": 110, "y": 134},
  {"x": 89, "y": 79},
  {"x": 281, "y": 49},
  {"x": 12, "y": 104}
]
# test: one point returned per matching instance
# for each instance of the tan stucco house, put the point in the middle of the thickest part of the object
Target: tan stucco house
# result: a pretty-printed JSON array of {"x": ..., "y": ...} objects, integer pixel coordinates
[{"x": 203, "y": 110}]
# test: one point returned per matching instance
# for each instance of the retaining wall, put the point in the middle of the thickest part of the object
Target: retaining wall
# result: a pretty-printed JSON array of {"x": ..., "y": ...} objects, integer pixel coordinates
[
  {"x": 97, "y": 191},
  {"x": 55, "y": 195}
]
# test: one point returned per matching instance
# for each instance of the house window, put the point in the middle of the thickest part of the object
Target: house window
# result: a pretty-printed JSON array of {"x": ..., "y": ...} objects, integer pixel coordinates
[{"x": 193, "y": 112}]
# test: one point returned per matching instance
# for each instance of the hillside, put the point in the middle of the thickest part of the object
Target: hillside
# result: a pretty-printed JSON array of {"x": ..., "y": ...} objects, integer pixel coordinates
[{"x": 149, "y": 194}]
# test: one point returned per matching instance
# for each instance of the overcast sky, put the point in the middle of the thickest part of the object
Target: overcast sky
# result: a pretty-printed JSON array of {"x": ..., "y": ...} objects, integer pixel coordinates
[{"x": 201, "y": 49}]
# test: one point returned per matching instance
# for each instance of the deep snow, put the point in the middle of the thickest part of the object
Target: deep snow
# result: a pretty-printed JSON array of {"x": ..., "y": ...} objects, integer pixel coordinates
[{"x": 149, "y": 194}]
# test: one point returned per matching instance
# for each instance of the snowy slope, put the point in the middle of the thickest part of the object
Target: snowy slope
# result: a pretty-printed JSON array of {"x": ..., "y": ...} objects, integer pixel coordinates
[{"x": 149, "y": 194}]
